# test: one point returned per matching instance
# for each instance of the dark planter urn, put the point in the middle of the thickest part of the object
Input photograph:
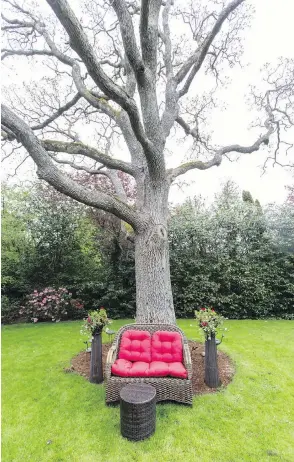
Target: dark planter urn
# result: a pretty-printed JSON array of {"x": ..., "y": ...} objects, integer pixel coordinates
[
  {"x": 211, "y": 368},
  {"x": 96, "y": 369}
]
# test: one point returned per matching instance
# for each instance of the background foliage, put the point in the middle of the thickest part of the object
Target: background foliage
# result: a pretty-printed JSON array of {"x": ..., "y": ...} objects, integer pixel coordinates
[
  {"x": 231, "y": 254},
  {"x": 233, "y": 257}
]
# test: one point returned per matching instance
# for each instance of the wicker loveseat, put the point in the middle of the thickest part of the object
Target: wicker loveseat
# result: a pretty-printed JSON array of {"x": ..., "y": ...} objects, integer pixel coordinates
[{"x": 174, "y": 385}]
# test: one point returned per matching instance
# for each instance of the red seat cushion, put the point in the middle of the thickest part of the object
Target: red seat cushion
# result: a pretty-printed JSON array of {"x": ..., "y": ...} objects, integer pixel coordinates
[
  {"x": 139, "y": 369},
  {"x": 124, "y": 368},
  {"x": 135, "y": 345},
  {"x": 121, "y": 367},
  {"x": 177, "y": 370},
  {"x": 158, "y": 369},
  {"x": 143, "y": 356},
  {"x": 167, "y": 347},
  {"x": 162, "y": 369}
]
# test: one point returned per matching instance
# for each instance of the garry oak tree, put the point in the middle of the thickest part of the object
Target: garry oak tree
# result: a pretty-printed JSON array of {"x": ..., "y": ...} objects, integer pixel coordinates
[{"x": 124, "y": 75}]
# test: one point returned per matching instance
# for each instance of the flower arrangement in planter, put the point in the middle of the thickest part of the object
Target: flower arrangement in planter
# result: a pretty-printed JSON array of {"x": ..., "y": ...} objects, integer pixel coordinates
[
  {"x": 93, "y": 325},
  {"x": 95, "y": 322},
  {"x": 209, "y": 322}
]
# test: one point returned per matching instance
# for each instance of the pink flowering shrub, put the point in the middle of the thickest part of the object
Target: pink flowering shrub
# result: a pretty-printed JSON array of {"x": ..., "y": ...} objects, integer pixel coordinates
[{"x": 49, "y": 304}]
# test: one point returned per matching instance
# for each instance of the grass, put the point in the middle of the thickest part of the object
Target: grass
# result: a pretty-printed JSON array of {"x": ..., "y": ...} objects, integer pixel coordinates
[{"x": 48, "y": 415}]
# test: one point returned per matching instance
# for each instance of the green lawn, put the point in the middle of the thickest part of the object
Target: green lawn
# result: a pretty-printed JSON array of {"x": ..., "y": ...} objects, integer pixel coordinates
[{"x": 251, "y": 420}]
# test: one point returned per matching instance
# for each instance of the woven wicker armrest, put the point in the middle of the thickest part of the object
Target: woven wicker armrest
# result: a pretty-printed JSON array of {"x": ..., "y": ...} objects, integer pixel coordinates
[
  {"x": 187, "y": 360},
  {"x": 111, "y": 356}
]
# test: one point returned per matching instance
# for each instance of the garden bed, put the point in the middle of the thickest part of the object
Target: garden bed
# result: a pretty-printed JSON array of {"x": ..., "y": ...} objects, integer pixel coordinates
[{"x": 81, "y": 365}]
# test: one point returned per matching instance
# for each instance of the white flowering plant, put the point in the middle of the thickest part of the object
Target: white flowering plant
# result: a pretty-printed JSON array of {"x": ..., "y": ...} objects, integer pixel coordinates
[{"x": 209, "y": 321}]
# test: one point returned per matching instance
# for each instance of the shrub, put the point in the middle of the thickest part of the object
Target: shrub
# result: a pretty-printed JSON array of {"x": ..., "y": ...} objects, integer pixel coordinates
[
  {"x": 9, "y": 309},
  {"x": 50, "y": 304},
  {"x": 233, "y": 256}
]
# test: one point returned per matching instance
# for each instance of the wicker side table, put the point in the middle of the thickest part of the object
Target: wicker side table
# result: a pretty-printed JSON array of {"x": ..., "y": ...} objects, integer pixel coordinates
[{"x": 137, "y": 411}]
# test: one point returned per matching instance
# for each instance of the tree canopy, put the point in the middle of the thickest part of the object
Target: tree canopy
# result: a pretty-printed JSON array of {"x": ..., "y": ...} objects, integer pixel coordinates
[{"x": 127, "y": 69}]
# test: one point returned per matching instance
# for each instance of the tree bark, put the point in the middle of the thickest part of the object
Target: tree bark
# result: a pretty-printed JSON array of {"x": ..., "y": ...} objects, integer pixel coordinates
[
  {"x": 211, "y": 368},
  {"x": 153, "y": 285},
  {"x": 96, "y": 370}
]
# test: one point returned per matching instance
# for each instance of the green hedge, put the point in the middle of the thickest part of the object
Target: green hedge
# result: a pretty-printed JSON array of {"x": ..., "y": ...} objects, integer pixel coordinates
[
  {"x": 229, "y": 259},
  {"x": 232, "y": 255}
]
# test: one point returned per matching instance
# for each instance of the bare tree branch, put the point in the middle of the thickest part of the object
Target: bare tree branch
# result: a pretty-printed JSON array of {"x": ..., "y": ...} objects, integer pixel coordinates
[
  {"x": 87, "y": 151},
  {"x": 171, "y": 100},
  {"x": 58, "y": 113},
  {"x": 6, "y": 53},
  {"x": 110, "y": 98},
  {"x": 62, "y": 182},
  {"x": 217, "y": 159},
  {"x": 128, "y": 36},
  {"x": 195, "y": 61},
  {"x": 80, "y": 43},
  {"x": 110, "y": 174},
  {"x": 149, "y": 32},
  {"x": 188, "y": 130}
]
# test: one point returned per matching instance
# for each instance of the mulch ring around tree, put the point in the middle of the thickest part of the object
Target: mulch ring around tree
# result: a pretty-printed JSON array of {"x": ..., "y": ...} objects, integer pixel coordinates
[{"x": 81, "y": 365}]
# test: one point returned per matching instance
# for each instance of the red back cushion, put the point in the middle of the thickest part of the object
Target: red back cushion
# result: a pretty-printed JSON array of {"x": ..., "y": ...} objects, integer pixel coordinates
[
  {"x": 135, "y": 345},
  {"x": 167, "y": 347}
]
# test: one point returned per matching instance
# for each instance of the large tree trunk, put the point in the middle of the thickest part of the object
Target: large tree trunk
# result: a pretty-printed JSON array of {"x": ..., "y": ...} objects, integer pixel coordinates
[{"x": 153, "y": 286}]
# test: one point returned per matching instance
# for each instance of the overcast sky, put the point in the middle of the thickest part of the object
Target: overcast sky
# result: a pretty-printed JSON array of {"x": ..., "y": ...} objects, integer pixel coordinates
[{"x": 270, "y": 36}]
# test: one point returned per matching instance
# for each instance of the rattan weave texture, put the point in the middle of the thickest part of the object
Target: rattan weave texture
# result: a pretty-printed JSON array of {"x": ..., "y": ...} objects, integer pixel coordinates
[{"x": 137, "y": 411}]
